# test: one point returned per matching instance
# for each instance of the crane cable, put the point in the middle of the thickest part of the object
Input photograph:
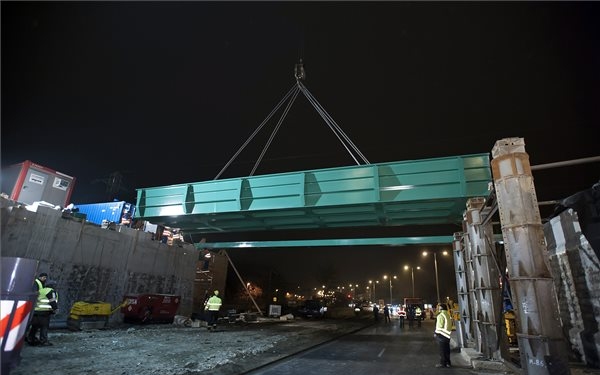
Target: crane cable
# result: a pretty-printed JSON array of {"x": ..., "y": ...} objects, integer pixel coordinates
[
  {"x": 285, "y": 112},
  {"x": 325, "y": 116},
  {"x": 292, "y": 89},
  {"x": 293, "y": 94},
  {"x": 337, "y": 130}
]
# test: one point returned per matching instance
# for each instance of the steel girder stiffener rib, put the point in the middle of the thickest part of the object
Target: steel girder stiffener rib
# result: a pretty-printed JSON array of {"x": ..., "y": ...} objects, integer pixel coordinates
[{"x": 428, "y": 191}]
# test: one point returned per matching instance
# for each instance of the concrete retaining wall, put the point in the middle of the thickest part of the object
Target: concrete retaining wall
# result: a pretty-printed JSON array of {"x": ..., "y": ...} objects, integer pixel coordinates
[{"x": 94, "y": 264}]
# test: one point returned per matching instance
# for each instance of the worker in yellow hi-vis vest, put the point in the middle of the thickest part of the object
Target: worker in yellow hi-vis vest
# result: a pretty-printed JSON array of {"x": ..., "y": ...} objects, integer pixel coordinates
[
  {"x": 443, "y": 330},
  {"x": 213, "y": 305}
]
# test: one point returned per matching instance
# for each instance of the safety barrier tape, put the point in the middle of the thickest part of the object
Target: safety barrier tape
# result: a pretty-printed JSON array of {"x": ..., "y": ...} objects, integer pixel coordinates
[{"x": 19, "y": 310}]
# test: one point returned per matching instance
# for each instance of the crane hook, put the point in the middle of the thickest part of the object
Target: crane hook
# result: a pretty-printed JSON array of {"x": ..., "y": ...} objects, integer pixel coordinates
[{"x": 299, "y": 71}]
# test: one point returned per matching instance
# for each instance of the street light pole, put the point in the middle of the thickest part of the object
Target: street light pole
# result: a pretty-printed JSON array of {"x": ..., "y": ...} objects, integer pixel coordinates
[
  {"x": 437, "y": 284},
  {"x": 412, "y": 275},
  {"x": 374, "y": 296},
  {"x": 391, "y": 299}
]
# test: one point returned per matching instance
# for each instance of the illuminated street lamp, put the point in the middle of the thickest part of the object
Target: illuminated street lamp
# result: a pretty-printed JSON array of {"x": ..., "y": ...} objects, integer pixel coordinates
[
  {"x": 412, "y": 274},
  {"x": 353, "y": 290},
  {"x": 374, "y": 290},
  {"x": 437, "y": 285},
  {"x": 385, "y": 278}
]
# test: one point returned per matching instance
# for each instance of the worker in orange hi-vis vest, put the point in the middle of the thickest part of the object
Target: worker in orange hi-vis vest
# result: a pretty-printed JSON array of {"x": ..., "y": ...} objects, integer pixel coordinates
[
  {"x": 402, "y": 314},
  {"x": 166, "y": 234}
]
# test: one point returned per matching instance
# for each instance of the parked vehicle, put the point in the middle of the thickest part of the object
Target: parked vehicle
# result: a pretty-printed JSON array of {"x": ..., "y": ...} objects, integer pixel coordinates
[
  {"x": 312, "y": 309},
  {"x": 411, "y": 305}
]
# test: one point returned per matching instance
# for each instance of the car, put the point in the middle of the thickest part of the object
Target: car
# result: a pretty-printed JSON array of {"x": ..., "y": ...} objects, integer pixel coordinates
[{"x": 312, "y": 309}]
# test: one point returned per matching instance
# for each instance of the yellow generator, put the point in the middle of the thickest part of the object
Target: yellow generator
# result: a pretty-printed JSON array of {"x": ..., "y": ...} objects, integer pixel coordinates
[
  {"x": 89, "y": 315},
  {"x": 509, "y": 321}
]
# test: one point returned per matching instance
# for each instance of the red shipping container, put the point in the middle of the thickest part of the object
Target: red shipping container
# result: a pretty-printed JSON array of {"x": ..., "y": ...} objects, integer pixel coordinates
[{"x": 150, "y": 308}]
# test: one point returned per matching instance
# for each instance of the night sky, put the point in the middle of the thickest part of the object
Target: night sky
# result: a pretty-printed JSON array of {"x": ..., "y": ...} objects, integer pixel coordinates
[{"x": 166, "y": 93}]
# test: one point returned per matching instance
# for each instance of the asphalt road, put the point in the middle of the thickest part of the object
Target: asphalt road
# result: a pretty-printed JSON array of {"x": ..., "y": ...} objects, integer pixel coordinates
[{"x": 383, "y": 348}]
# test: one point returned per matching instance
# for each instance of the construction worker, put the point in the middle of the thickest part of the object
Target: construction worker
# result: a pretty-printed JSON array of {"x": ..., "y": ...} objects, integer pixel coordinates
[
  {"x": 402, "y": 314},
  {"x": 386, "y": 314},
  {"x": 213, "y": 305},
  {"x": 443, "y": 329},
  {"x": 205, "y": 257},
  {"x": 418, "y": 315},
  {"x": 46, "y": 305},
  {"x": 38, "y": 285},
  {"x": 166, "y": 235},
  {"x": 40, "y": 282},
  {"x": 410, "y": 314}
]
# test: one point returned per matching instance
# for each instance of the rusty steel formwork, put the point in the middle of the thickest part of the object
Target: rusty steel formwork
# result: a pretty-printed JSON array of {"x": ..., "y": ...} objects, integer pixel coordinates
[
  {"x": 486, "y": 283},
  {"x": 476, "y": 333},
  {"x": 463, "y": 326},
  {"x": 540, "y": 338}
]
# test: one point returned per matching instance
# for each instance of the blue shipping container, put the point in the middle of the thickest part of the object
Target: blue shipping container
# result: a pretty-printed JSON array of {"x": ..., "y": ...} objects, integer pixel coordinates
[{"x": 111, "y": 211}]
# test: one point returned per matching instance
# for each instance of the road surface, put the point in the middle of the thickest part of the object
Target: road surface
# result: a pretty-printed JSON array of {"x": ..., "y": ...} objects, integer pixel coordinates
[{"x": 383, "y": 348}]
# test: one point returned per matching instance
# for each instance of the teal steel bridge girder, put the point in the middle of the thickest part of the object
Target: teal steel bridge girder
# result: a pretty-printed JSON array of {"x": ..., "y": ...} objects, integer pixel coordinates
[
  {"x": 418, "y": 192},
  {"x": 389, "y": 241}
]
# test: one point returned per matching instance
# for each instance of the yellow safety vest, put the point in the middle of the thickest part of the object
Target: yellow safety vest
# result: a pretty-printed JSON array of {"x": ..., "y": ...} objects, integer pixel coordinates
[
  {"x": 43, "y": 302},
  {"x": 443, "y": 324},
  {"x": 213, "y": 304}
]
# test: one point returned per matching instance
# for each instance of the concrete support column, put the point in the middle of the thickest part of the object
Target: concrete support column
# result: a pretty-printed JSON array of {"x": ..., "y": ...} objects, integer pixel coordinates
[
  {"x": 464, "y": 324},
  {"x": 487, "y": 283},
  {"x": 541, "y": 343}
]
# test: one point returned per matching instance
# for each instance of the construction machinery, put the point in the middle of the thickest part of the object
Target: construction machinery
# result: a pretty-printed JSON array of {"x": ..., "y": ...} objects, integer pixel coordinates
[
  {"x": 150, "y": 308},
  {"x": 91, "y": 315}
]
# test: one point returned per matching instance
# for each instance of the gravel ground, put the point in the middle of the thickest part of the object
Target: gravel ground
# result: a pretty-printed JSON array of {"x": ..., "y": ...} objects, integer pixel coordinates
[{"x": 169, "y": 349}]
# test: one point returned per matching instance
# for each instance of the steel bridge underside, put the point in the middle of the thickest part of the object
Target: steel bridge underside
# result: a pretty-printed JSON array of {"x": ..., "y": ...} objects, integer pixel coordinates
[{"x": 418, "y": 192}]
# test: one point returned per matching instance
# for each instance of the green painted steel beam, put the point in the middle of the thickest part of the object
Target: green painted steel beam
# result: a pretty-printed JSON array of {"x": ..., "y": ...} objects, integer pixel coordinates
[
  {"x": 425, "y": 192},
  {"x": 389, "y": 241}
]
